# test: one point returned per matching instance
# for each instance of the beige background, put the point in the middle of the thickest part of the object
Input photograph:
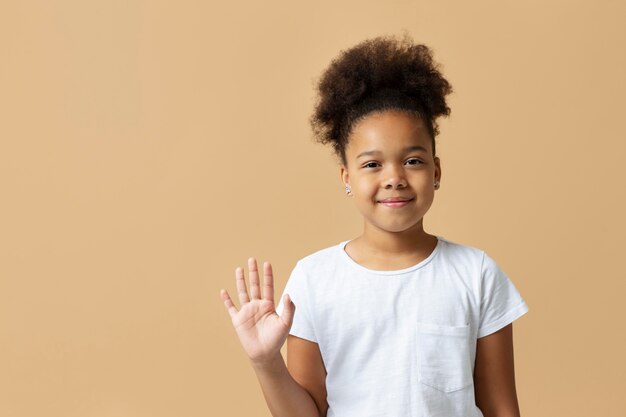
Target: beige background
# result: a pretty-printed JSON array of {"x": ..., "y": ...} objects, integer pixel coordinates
[{"x": 148, "y": 148}]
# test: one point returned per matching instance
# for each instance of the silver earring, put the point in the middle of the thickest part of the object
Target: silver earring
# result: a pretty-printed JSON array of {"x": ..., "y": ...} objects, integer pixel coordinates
[
  {"x": 436, "y": 185},
  {"x": 348, "y": 191}
]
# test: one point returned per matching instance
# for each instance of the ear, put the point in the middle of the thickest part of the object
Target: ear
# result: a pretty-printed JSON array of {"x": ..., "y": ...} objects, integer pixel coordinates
[
  {"x": 345, "y": 178},
  {"x": 437, "y": 169}
]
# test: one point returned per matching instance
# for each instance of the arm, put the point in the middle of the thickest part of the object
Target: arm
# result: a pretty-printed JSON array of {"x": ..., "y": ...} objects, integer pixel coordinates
[
  {"x": 303, "y": 385},
  {"x": 284, "y": 396},
  {"x": 262, "y": 332},
  {"x": 307, "y": 367},
  {"x": 494, "y": 375}
]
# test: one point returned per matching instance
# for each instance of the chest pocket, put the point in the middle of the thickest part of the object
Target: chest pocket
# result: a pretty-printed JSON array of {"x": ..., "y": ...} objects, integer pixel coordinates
[{"x": 444, "y": 356}]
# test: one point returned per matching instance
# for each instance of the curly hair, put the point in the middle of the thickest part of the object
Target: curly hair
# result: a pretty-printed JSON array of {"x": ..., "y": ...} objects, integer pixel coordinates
[{"x": 383, "y": 73}]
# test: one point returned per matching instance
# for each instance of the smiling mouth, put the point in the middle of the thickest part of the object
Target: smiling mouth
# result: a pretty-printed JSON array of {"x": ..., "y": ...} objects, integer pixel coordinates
[{"x": 397, "y": 203}]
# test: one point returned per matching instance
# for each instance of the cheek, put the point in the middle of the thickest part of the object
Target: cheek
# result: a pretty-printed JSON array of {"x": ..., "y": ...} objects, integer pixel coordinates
[
  {"x": 366, "y": 189},
  {"x": 426, "y": 179}
]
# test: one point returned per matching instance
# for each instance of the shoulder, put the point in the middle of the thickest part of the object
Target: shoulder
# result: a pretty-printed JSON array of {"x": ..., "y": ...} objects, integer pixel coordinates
[
  {"x": 461, "y": 254},
  {"x": 322, "y": 258},
  {"x": 309, "y": 269},
  {"x": 472, "y": 261},
  {"x": 471, "y": 264},
  {"x": 312, "y": 274}
]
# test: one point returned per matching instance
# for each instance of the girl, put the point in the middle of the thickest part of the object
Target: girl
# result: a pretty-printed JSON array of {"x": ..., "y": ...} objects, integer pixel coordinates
[{"x": 396, "y": 322}]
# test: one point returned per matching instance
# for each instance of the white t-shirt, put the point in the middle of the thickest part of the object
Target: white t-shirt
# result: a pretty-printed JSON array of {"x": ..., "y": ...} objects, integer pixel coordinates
[{"x": 401, "y": 343}]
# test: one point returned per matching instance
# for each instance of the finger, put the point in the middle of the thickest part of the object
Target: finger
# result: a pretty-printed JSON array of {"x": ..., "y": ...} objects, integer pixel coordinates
[
  {"x": 268, "y": 282},
  {"x": 228, "y": 303},
  {"x": 242, "y": 291},
  {"x": 289, "y": 310},
  {"x": 255, "y": 289}
]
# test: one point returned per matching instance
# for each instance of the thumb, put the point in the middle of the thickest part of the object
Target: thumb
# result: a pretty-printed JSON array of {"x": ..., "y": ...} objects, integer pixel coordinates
[{"x": 288, "y": 311}]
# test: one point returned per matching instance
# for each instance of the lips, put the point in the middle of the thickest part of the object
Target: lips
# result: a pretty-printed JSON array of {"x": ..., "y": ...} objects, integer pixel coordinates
[{"x": 395, "y": 200}]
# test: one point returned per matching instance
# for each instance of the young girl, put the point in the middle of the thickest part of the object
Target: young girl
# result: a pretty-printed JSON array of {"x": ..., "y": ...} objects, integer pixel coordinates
[{"x": 396, "y": 322}]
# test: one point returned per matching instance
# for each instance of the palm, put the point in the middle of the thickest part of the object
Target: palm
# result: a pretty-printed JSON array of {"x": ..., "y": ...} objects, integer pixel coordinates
[
  {"x": 261, "y": 331},
  {"x": 259, "y": 328}
]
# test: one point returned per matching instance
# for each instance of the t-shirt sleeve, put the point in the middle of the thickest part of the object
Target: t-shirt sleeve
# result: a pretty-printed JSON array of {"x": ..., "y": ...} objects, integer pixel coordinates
[
  {"x": 500, "y": 303},
  {"x": 297, "y": 288}
]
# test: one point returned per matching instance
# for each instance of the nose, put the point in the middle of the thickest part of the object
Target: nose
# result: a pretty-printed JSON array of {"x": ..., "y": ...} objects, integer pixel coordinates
[{"x": 395, "y": 178}]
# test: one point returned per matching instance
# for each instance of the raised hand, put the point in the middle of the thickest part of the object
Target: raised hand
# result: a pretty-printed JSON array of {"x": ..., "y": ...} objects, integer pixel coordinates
[{"x": 261, "y": 330}]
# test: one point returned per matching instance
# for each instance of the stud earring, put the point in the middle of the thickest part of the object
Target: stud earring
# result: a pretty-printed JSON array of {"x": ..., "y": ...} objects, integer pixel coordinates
[
  {"x": 348, "y": 191},
  {"x": 436, "y": 185}
]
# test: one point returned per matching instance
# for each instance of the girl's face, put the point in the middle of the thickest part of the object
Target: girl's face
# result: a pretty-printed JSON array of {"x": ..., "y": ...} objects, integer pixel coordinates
[{"x": 389, "y": 154}]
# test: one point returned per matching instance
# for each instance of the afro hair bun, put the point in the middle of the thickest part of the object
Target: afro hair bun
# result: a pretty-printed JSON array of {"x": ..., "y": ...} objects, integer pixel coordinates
[{"x": 382, "y": 73}]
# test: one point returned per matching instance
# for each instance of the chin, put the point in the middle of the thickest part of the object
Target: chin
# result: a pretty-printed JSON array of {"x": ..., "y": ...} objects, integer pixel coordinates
[
  {"x": 402, "y": 227},
  {"x": 397, "y": 228}
]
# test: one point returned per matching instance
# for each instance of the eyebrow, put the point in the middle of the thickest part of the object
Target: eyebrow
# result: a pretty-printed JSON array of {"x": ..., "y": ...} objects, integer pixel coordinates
[{"x": 407, "y": 149}]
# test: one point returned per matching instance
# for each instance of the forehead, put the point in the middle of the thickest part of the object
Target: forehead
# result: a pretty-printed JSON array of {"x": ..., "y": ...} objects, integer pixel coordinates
[{"x": 388, "y": 132}]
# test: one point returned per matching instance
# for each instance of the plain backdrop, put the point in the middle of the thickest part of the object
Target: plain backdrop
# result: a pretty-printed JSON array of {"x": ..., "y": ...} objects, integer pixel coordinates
[{"x": 147, "y": 148}]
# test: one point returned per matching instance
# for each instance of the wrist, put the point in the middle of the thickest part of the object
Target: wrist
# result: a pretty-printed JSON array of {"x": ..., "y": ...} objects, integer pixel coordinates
[{"x": 272, "y": 363}]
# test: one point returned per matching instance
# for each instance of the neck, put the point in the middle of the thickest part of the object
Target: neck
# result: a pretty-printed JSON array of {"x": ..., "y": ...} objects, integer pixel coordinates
[{"x": 406, "y": 242}]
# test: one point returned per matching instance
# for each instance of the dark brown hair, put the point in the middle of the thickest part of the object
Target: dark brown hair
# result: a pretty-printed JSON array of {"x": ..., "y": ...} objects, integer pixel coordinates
[{"x": 383, "y": 73}]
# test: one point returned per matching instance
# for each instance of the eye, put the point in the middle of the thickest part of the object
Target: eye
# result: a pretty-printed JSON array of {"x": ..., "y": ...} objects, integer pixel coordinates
[
  {"x": 368, "y": 165},
  {"x": 415, "y": 161}
]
